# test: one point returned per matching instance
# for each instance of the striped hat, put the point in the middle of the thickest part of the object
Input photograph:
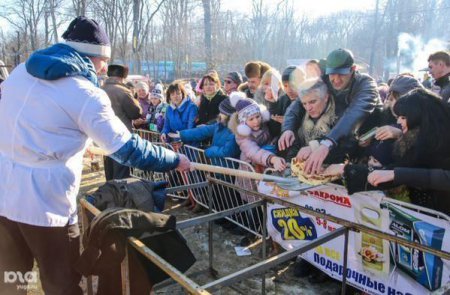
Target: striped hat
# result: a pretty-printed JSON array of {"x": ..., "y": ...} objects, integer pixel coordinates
[{"x": 88, "y": 37}]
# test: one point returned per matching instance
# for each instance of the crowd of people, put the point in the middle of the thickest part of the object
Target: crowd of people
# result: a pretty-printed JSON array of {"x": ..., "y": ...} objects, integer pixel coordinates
[
  {"x": 339, "y": 121},
  {"x": 318, "y": 113}
]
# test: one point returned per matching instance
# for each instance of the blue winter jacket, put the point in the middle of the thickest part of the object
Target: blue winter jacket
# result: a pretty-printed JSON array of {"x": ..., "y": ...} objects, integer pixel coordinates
[
  {"x": 223, "y": 140},
  {"x": 59, "y": 61},
  {"x": 142, "y": 154},
  {"x": 180, "y": 118}
]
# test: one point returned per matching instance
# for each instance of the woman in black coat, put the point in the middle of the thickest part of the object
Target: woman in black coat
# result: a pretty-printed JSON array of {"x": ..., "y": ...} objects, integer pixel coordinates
[{"x": 212, "y": 96}]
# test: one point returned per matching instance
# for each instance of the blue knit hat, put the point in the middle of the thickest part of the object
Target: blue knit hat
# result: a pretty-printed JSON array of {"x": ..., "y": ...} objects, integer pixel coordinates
[{"x": 88, "y": 37}]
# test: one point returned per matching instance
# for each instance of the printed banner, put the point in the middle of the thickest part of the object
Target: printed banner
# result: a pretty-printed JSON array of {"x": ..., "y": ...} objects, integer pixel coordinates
[{"x": 375, "y": 266}]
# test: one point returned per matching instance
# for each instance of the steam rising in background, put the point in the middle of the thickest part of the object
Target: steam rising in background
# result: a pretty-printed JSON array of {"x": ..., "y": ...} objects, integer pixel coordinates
[{"x": 413, "y": 52}]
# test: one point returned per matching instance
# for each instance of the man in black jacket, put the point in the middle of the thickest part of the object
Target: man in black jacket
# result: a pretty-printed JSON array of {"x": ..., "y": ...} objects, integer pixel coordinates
[
  {"x": 356, "y": 97},
  {"x": 439, "y": 65}
]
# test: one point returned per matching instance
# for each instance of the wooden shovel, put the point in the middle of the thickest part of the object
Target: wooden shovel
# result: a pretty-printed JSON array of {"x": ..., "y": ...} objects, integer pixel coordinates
[{"x": 287, "y": 183}]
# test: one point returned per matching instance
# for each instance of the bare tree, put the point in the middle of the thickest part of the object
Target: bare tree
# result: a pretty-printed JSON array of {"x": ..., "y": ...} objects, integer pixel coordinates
[
  {"x": 143, "y": 13},
  {"x": 25, "y": 16},
  {"x": 207, "y": 24},
  {"x": 80, "y": 7}
]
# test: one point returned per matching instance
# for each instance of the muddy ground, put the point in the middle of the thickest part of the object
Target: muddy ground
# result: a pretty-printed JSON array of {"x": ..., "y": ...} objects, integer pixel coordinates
[{"x": 279, "y": 280}]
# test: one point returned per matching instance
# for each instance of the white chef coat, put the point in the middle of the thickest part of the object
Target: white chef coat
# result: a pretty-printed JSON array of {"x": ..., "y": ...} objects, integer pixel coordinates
[{"x": 44, "y": 130}]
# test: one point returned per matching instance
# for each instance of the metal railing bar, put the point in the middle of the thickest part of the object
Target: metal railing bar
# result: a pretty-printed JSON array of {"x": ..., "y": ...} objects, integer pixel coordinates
[
  {"x": 272, "y": 261},
  {"x": 171, "y": 190},
  {"x": 174, "y": 273},
  {"x": 213, "y": 216}
]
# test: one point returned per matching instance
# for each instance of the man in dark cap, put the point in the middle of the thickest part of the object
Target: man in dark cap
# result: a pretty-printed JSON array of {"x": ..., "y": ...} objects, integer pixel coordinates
[
  {"x": 51, "y": 107},
  {"x": 232, "y": 82},
  {"x": 126, "y": 107},
  {"x": 356, "y": 98}
]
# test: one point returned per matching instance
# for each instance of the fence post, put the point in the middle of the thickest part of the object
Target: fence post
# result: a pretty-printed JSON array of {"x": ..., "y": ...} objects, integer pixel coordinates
[
  {"x": 264, "y": 243},
  {"x": 210, "y": 233},
  {"x": 344, "y": 272}
]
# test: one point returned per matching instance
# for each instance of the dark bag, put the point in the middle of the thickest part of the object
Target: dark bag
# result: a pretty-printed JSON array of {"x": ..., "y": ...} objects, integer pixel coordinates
[{"x": 132, "y": 193}]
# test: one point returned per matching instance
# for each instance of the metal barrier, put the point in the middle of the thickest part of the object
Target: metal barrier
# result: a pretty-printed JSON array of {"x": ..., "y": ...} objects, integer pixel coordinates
[
  {"x": 266, "y": 264},
  {"x": 224, "y": 198},
  {"x": 151, "y": 136},
  {"x": 154, "y": 138}
]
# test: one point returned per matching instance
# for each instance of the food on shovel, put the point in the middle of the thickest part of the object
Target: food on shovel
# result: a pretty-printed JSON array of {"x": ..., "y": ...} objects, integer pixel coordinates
[{"x": 298, "y": 168}]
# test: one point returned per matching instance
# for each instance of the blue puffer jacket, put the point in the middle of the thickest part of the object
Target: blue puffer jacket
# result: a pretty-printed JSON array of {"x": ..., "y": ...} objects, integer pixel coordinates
[
  {"x": 180, "y": 118},
  {"x": 59, "y": 61},
  {"x": 223, "y": 140}
]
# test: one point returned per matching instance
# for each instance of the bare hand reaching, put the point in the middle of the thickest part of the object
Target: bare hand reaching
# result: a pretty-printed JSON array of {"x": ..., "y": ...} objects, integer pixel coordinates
[
  {"x": 380, "y": 176},
  {"x": 388, "y": 132},
  {"x": 286, "y": 140},
  {"x": 278, "y": 163},
  {"x": 184, "y": 165},
  {"x": 304, "y": 153},
  {"x": 314, "y": 163}
]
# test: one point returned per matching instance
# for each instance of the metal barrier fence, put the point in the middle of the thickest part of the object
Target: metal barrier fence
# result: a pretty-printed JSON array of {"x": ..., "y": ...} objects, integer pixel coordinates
[
  {"x": 151, "y": 136},
  {"x": 261, "y": 267},
  {"x": 224, "y": 198}
]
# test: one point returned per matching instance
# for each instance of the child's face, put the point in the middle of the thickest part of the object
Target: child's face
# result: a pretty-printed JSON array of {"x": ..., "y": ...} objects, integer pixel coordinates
[
  {"x": 155, "y": 100},
  {"x": 374, "y": 163},
  {"x": 142, "y": 93},
  {"x": 254, "y": 122}
]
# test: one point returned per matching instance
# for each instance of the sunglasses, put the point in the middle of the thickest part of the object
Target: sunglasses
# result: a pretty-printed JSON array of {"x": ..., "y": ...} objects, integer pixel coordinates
[{"x": 228, "y": 81}]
